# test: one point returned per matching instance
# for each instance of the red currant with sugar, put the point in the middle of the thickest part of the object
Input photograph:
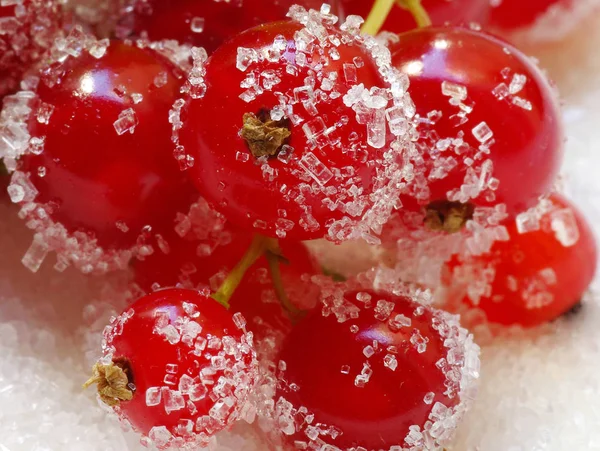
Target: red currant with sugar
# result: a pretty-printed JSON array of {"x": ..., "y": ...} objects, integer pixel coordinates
[
  {"x": 177, "y": 366},
  {"x": 100, "y": 158},
  {"x": 489, "y": 123},
  {"x": 512, "y": 14},
  {"x": 441, "y": 12},
  {"x": 289, "y": 134},
  {"x": 198, "y": 264},
  {"x": 540, "y": 272},
  {"x": 374, "y": 374},
  {"x": 203, "y": 23},
  {"x": 27, "y": 29}
]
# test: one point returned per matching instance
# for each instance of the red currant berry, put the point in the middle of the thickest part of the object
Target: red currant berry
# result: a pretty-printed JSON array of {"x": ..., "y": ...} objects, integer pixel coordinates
[
  {"x": 441, "y": 12},
  {"x": 27, "y": 29},
  {"x": 97, "y": 154},
  {"x": 392, "y": 376},
  {"x": 535, "y": 276},
  {"x": 512, "y": 14},
  {"x": 489, "y": 123},
  {"x": 177, "y": 366},
  {"x": 289, "y": 136},
  {"x": 203, "y": 23},
  {"x": 197, "y": 264}
]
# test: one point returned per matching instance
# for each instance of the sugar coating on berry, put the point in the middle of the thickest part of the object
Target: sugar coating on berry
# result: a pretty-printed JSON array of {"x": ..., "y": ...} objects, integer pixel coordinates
[
  {"x": 525, "y": 278},
  {"x": 47, "y": 186},
  {"x": 323, "y": 121},
  {"x": 205, "y": 378},
  {"x": 28, "y": 29},
  {"x": 452, "y": 374}
]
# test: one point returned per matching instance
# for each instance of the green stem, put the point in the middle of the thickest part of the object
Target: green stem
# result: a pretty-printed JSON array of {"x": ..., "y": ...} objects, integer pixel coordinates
[
  {"x": 294, "y": 313},
  {"x": 376, "y": 18},
  {"x": 258, "y": 247},
  {"x": 418, "y": 12}
]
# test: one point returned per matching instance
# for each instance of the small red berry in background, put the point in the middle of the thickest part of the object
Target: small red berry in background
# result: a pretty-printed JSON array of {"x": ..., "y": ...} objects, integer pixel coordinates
[
  {"x": 386, "y": 372},
  {"x": 512, "y": 14},
  {"x": 27, "y": 29},
  {"x": 441, "y": 12},
  {"x": 195, "y": 264},
  {"x": 177, "y": 366},
  {"x": 202, "y": 23},
  {"x": 289, "y": 132},
  {"x": 489, "y": 122},
  {"x": 100, "y": 158},
  {"x": 533, "y": 277}
]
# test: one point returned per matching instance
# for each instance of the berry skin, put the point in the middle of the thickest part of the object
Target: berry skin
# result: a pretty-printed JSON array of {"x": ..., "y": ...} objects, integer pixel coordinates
[
  {"x": 107, "y": 164},
  {"x": 203, "y": 23},
  {"x": 441, "y": 12},
  {"x": 193, "y": 264},
  {"x": 28, "y": 28},
  {"x": 281, "y": 136},
  {"x": 530, "y": 278},
  {"x": 369, "y": 379},
  {"x": 490, "y": 125},
  {"x": 188, "y": 367},
  {"x": 512, "y": 14}
]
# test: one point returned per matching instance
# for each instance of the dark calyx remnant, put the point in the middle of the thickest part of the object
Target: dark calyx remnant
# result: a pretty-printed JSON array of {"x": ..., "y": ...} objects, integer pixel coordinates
[
  {"x": 448, "y": 216},
  {"x": 114, "y": 381},
  {"x": 264, "y": 136}
]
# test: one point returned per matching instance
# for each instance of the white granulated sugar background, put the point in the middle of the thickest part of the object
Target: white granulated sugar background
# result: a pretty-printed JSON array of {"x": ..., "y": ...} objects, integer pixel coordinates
[{"x": 537, "y": 394}]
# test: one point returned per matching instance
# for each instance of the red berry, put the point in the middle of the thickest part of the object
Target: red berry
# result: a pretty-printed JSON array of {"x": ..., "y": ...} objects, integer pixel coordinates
[
  {"x": 183, "y": 366},
  {"x": 196, "y": 264},
  {"x": 374, "y": 379},
  {"x": 100, "y": 155},
  {"x": 513, "y": 14},
  {"x": 27, "y": 29},
  {"x": 533, "y": 277},
  {"x": 203, "y": 23},
  {"x": 441, "y": 12},
  {"x": 287, "y": 139},
  {"x": 489, "y": 122}
]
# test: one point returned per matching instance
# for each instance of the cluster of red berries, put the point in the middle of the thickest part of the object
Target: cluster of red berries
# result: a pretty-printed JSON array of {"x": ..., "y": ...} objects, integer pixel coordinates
[{"x": 200, "y": 156}]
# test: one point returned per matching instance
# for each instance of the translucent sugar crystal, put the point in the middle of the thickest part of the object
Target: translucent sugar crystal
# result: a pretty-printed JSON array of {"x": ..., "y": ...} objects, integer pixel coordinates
[
  {"x": 398, "y": 321},
  {"x": 456, "y": 91},
  {"x": 315, "y": 132},
  {"x": 197, "y": 24},
  {"x": 528, "y": 221},
  {"x": 126, "y": 122},
  {"x": 397, "y": 120},
  {"x": 153, "y": 396},
  {"x": 368, "y": 351},
  {"x": 160, "y": 436},
  {"x": 365, "y": 375},
  {"x": 564, "y": 225},
  {"x": 389, "y": 361},
  {"x": 239, "y": 321},
  {"x": 419, "y": 342},
  {"x": 245, "y": 58},
  {"x": 315, "y": 168},
  {"x": 173, "y": 400},
  {"x": 36, "y": 254},
  {"x": 517, "y": 83},
  {"x": 161, "y": 79},
  {"x": 98, "y": 49},
  {"x": 383, "y": 309},
  {"x": 429, "y": 398},
  {"x": 350, "y": 74},
  {"x": 376, "y": 130},
  {"x": 482, "y": 132}
]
